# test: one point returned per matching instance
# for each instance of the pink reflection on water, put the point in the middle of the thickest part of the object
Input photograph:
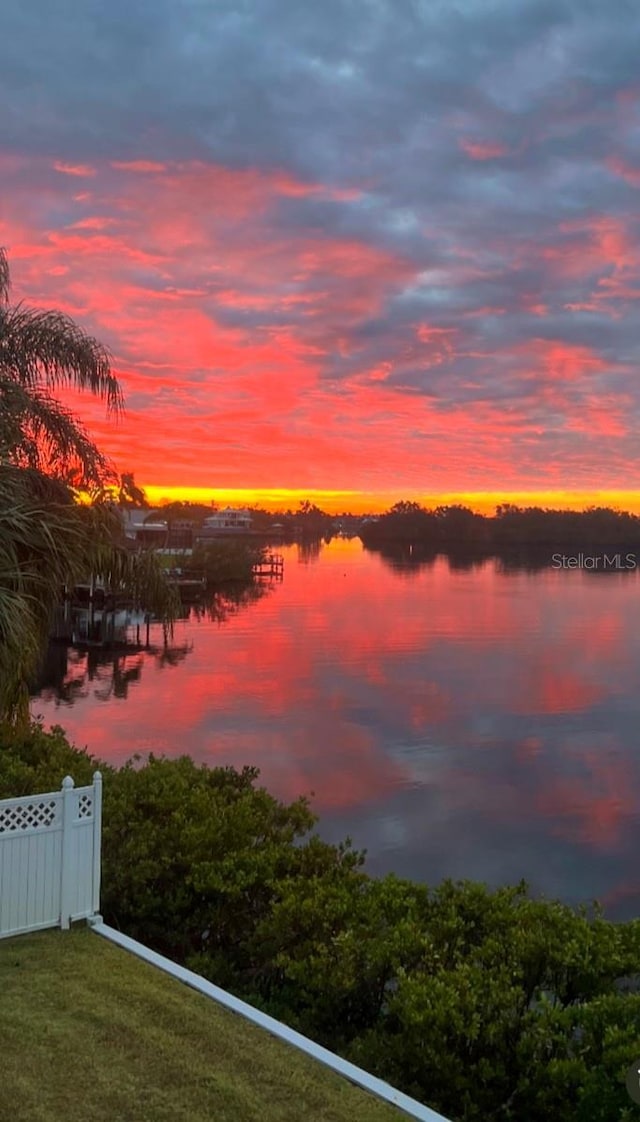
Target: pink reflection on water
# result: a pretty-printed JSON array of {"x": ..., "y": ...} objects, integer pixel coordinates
[{"x": 356, "y": 684}]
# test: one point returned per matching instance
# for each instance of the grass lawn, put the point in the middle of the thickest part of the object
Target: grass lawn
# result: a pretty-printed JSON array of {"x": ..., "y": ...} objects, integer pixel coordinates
[{"x": 88, "y": 1031}]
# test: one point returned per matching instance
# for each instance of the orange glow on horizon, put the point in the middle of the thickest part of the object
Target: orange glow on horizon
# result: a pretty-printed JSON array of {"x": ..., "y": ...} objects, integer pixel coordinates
[
  {"x": 241, "y": 340},
  {"x": 363, "y": 502}
]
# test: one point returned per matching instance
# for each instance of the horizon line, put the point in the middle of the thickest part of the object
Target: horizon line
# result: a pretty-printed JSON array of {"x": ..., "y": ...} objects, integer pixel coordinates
[{"x": 375, "y": 502}]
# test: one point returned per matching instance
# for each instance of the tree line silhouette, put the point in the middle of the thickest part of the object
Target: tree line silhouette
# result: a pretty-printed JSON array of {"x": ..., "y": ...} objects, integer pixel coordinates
[{"x": 512, "y": 528}]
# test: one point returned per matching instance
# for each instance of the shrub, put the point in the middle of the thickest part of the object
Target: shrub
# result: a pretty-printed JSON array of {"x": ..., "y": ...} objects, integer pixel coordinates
[{"x": 485, "y": 1004}]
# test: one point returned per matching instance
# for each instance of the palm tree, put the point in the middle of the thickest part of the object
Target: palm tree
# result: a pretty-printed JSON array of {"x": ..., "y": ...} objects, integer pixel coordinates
[
  {"x": 47, "y": 539},
  {"x": 129, "y": 494},
  {"x": 41, "y": 351},
  {"x": 121, "y": 490}
]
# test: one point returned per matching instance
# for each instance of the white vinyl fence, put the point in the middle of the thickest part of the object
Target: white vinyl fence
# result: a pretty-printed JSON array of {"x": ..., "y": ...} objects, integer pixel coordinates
[{"x": 50, "y": 858}]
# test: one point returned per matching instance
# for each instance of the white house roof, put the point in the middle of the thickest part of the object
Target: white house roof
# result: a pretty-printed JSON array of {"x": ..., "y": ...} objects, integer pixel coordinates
[{"x": 137, "y": 517}]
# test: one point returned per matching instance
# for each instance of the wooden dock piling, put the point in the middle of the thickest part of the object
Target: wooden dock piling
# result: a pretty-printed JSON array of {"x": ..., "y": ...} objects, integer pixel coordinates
[{"x": 271, "y": 566}]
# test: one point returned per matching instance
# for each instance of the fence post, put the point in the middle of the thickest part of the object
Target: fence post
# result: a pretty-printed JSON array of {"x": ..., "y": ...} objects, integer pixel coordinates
[
  {"x": 97, "y": 840},
  {"x": 68, "y": 806}
]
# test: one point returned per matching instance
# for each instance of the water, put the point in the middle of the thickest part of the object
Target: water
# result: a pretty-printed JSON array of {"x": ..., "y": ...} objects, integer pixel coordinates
[{"x": 463, "y": 723}]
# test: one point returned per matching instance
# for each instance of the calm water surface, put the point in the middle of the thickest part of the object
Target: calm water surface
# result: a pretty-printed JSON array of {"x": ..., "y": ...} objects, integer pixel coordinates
[{"x": 453, "y": 723}]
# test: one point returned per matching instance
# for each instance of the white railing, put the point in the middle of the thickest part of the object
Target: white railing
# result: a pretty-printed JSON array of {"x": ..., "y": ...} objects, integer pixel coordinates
[
  {"x": 354, "y": 1074},
  {"x": 50, "y": 858}
]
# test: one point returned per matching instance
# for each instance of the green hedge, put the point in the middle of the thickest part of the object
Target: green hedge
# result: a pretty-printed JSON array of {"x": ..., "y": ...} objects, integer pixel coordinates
[{"x": 488, "y": 1005}]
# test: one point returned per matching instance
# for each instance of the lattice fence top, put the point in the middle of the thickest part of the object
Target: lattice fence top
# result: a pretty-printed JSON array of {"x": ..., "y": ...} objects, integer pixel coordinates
[
  {"x": 28, "y": 816},
  {"x": 85, "y": 806}
]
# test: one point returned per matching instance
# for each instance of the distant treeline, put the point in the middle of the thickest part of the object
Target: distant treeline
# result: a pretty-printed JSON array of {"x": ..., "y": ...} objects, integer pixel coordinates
[{"x": 512, "y": 528}]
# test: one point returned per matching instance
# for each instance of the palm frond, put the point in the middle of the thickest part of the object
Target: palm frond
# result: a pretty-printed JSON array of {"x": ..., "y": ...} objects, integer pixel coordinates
[
  {"x": 48, "y": 347},
  {"x": 46, "y": 541},
  {"x": 38, "y": 432},
  {"x": 142, "y": 579},
  {"x": 5, "y": 277}
]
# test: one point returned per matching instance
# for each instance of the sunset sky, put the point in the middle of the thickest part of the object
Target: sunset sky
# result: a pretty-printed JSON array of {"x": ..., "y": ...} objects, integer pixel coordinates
[{"x": 351, "y": 250}]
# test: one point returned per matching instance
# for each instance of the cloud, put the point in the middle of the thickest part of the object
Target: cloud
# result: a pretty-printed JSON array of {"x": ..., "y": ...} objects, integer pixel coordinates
[
  {"x": 482, "y": 149},
  {"x": 340, "y": 243},
  {"x": 82, "y": 171}
]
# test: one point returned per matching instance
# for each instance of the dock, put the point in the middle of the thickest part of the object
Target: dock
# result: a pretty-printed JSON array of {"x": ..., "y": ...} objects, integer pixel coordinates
[
  {"x": 271, "y": 566},
  {"x": 189, "y": 584}
]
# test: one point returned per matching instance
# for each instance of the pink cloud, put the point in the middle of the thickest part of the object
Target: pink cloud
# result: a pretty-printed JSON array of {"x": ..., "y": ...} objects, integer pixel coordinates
[
  {"x": 144, "y": 167},
  {"x": 240, "y": 345},
  {"x": 482, "y": 149},
  {"x": 82, "y": 171}
]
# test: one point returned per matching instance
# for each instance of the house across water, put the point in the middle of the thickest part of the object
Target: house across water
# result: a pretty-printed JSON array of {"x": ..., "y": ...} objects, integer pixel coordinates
[{"x": 229, "y": 522}]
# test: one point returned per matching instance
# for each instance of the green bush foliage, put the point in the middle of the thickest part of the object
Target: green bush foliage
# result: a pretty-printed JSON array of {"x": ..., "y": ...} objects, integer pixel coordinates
[
  {"x": 224, "y": 562},
  {"x": 485, "y": 1004}
]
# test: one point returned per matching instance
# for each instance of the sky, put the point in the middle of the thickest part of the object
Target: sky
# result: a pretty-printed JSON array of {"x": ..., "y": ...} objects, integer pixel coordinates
[{"x": 354, "y": 250}]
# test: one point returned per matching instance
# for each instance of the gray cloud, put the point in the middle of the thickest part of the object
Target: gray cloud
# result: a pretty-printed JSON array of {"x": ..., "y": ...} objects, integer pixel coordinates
[{"x": 483, "y": 141}]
